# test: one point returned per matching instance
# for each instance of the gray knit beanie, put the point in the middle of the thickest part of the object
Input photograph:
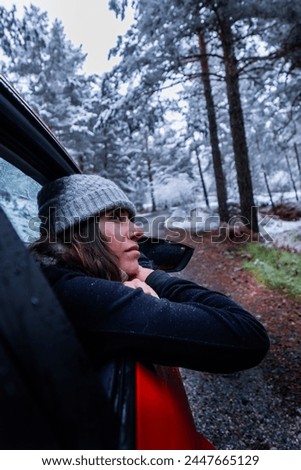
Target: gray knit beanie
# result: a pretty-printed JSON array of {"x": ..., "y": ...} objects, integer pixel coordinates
[{"x": 73, "y": 199}]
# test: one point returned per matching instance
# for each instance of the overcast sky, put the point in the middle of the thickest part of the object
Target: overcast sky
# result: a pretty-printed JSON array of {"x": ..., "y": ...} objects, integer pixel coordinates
[{"x": 86, "y": 22}]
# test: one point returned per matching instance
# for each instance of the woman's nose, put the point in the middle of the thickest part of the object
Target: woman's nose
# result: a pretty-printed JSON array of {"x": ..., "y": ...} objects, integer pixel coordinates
[{"x": 136, "y": 231}]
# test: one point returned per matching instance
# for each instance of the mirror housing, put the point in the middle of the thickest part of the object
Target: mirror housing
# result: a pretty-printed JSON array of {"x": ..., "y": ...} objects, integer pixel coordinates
[{"x": 165, "y": 254}]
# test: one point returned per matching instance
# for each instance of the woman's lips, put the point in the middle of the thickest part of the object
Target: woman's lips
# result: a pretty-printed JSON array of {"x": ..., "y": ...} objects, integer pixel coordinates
[{"x": 132, "y": 248}]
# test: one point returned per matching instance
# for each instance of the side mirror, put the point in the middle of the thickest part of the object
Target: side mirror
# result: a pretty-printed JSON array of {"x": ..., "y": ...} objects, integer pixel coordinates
[{"x": 165, "y": 254}]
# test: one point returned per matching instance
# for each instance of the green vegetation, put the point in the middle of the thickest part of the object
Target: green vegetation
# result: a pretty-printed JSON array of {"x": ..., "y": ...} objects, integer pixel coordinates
[{"x": 275, "y": 268}]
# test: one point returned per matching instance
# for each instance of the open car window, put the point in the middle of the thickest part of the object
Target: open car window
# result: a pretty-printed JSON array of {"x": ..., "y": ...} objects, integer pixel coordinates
[{"x": 18, "y": 194}]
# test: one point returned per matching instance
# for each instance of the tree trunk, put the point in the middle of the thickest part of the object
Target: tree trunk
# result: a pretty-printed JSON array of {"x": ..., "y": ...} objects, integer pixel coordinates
[
  {"x": 298, "y": 159},
  {"x": 202, "y": 179},
  {"x": 150, "y": 174},
  {"x": 240, "y": 147},
  {"x": 221, "y": 188},
  {"x": 291, "y": 176},
  {"x": 268, "y": 189}
]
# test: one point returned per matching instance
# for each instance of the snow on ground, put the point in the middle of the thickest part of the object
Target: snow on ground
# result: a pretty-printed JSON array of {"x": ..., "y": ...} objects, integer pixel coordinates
[
  {"x": 195, "y": 220},
  {"x": 283, "y": 234},
  {"x": 274, "y": 231}
]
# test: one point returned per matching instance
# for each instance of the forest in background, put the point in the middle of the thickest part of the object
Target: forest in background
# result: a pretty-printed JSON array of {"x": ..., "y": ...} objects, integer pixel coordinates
[{"x": 203, "y": 108}]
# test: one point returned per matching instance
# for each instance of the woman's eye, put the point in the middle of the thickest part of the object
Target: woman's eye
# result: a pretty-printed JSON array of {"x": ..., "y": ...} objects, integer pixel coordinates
[
  {"x": 117, "y": 216},
  {"x": 114, "y": 217}
]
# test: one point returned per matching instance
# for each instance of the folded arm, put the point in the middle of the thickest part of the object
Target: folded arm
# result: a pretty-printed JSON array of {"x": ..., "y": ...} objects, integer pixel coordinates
[{"x": 188, "y": 326}]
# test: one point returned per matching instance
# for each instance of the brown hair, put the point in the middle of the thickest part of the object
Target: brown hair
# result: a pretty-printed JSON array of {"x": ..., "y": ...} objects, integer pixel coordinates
[{"x": 81, "y": 247}]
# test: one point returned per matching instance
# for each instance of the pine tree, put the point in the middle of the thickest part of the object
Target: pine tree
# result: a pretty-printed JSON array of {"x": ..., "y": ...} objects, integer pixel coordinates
[
  {"x": 47, "y": 70},
  {"x": 221, "y": 186},
  {"x": 240, "y": 146}
]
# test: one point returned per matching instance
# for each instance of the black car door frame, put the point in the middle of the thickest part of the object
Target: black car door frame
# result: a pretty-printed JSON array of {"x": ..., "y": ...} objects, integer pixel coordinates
[{"x": 50, "y": 395}]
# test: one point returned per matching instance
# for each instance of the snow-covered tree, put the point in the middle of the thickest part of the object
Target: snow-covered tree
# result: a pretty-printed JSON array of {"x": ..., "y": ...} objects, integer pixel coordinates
[
  {"x": 162, "y": 48},
  {"x": 46, "y": 68}
]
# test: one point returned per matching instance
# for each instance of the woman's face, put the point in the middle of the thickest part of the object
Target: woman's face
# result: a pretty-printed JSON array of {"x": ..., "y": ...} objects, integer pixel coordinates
[{"x": 122, "y": 236}]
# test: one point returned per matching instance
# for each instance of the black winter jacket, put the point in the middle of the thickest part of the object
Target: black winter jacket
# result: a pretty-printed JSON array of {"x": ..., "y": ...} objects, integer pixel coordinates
[{"x": 188, "y": 326}]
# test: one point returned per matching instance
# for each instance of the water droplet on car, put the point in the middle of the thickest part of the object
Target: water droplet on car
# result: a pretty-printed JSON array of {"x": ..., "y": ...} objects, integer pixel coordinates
[{"x": 34, "y": 301}]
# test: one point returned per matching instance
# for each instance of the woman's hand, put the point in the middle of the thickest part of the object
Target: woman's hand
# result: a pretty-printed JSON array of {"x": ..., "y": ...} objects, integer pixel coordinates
[{"x": 136, "y": 283}]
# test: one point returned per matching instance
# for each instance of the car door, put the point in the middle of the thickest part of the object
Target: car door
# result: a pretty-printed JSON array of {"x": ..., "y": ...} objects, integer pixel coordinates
[
  {"x": 50, "y": 394},
  {"x": 51, "y": 397}
]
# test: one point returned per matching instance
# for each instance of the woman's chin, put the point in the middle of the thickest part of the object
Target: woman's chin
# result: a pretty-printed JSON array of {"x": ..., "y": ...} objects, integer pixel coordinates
[{"x": 132, "y": 270}]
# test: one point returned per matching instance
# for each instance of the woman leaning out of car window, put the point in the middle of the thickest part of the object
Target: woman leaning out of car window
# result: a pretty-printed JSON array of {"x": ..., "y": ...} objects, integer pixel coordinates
[{"x": 89, "y": 252}]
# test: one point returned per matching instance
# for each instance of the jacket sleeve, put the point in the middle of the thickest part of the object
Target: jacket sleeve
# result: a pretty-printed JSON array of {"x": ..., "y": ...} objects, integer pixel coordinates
[{"x": 189, "y": 326}]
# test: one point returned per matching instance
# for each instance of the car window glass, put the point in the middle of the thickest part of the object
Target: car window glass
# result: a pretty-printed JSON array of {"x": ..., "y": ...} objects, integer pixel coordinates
[{"x": 18, "y": 194}]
